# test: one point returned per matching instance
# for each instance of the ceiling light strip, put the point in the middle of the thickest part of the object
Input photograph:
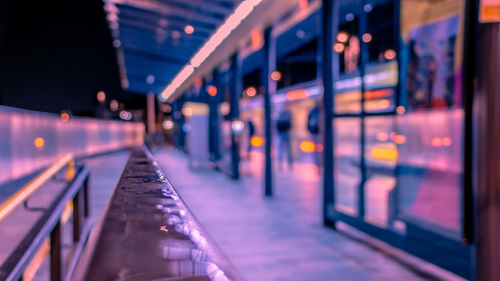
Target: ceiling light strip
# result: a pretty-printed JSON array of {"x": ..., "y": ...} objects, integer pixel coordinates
[{"x": 231, "y": 23}]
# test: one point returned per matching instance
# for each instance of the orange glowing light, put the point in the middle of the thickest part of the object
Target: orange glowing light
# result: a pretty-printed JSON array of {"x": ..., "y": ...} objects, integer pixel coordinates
[
  {"x": 255, "y": 39},
  {"x": 308, "y": 146},
  {"x": 378, "y": 94},
  {"x": 251, "y": 91},
  {"x": 212, "y": 91},
  {"x": 447, "y": 141},
  {"x": 65, "y": 117},
  {"x": 189, "y": 29},
  {"x": 390, "y": 54},
  {"x": 338, "y": 47},
  {"x": 382, "y": 137},
  {"x": 101, "y": 96},
  {"x": 400, "y": 110},
  {"x": 319, "y": 147},
  {"x": 384, "y": 153},
  {"x": 297, "y": 94},
  {"x": 367, "y": 37},
  {"x": 256, "y": 141},
  {"x": 303, "y": 4},
  {"x": 187, "y": 111},
  {"x": 39, "y": 142},
  {"x": 399, "y": 139},
  {"x": 342, "y": 37},
  {"x": 436, "y": 142},
  {"x": 276, "y": 75}
]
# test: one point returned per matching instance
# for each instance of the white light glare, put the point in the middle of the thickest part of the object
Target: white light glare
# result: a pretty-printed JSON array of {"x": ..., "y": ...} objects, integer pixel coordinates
[{"x": 239, "y": 14}]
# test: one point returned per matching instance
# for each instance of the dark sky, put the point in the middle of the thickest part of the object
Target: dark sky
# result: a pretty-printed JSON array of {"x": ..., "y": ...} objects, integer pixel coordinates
[{"x": 56, "y": 55}]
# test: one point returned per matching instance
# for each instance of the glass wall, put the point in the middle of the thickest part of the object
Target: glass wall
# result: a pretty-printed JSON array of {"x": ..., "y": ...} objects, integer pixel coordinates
[{"x": 398, "y": 126}]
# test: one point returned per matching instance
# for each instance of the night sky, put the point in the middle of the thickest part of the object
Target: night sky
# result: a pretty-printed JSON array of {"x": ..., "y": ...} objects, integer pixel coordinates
[{"x": 56, "y": 55}]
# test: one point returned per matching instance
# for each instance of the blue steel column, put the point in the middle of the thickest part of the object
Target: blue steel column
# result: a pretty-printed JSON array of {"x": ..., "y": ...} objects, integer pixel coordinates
[
  {"x": 269, "y": 86},
  {"x": 363, "y": 58},
  {"x": 328, "y": 28},
  {"x": 236, "y": 89},
  {"x": 213, "y": 118}
]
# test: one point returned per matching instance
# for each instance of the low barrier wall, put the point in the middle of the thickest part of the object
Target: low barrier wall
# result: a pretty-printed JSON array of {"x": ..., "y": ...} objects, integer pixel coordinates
[{"x": 31, "y": 140}]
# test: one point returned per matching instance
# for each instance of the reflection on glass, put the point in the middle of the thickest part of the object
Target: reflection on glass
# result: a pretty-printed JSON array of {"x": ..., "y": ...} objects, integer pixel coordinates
[
  {"x": 347, "y": 172},
  {"x": 381, "y": 155},
  {"x": 430, "y": 166}
]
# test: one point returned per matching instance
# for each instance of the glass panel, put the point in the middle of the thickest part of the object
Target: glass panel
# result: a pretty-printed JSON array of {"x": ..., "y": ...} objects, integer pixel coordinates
[
  {"x": 430, "y": 163},
  {"x": 381, "y": 155},
  {"x": 381, "y": 72},
  {"x": 348, "y": 87},
  {"x": 347, "y": 172}
]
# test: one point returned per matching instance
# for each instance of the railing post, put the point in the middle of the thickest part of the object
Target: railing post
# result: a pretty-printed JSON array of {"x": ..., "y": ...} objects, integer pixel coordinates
[
  {"x": 55, "y": 253},
  {"x": 77, "y": 215},
  {"x": 86, "y": 197}
]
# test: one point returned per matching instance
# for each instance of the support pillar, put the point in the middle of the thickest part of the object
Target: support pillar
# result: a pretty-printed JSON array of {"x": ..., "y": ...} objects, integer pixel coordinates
[
  {"x": 328, "y": 28},
  {"x": 234, "y": 112},
  {"x": 486, "y": 167},
  {"x": 269, "y": 87}
]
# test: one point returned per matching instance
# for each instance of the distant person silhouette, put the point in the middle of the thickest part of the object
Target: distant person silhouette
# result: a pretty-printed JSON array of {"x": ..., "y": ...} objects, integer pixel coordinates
[
  {"x": 283, "y": 126},
  {"x": 313, "y": 128}
]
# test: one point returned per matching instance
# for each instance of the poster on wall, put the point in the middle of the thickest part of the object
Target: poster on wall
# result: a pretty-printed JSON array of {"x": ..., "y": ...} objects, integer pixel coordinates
[
  {"x": 431, "y": 71},
  {"x": 489, "y": 11}
]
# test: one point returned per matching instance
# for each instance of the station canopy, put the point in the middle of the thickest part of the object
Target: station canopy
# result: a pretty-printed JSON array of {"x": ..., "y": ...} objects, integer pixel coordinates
[{"x": 154, "y": 39}]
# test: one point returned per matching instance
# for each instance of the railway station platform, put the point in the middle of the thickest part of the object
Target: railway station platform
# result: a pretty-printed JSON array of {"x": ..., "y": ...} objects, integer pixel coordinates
[{"x": 282, "y": 238}]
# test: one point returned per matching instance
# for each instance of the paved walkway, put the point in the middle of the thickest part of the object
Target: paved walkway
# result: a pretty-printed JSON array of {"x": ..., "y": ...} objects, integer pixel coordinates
[
  {"x": 280, "y": 238},
  {"x": 105, "y": 170}
]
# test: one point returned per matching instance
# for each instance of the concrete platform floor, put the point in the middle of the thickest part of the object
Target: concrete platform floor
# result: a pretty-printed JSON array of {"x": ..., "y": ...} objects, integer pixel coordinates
[{"x": 277, "y": 239}]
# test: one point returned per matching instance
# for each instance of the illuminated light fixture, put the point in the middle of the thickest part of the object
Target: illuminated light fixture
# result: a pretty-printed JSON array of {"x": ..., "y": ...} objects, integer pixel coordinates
[
  {"x": 39, "y": 143},
  {"x": 390, "y": 54},
  {"x": 212, "y": 91},
  {"x": 380, "y": 153},
  {"x": 117, "y": 43},
  {"x": 187, "y": 111},
  {"x": 65, "y": 117},
  {"x": 101, "y": 96},
  {"x": 237, "y": 126},
  {"x": 436, "y": 142},
  {"x": 319, "y": 147},
  {"x": 175, "y": 34},
  {"x": 349, "y": 17},
  {"x": 303, "y": 4},
  {"x": 168, "y": 124},
  {"x": 400, "y": 110},
  {"x": 255, "y": 39},
  {"x": 300, "y": 33},
  {"x": 251, "y": 91},
  {"x": 256, "y": 141},
  {"x": 367, "y": 37},
  {"x": 150, "y": 79},
  {"x": 367, "y": 8},
  {"x": 176, "y": 82},
  {"x": 297, "y": 94},
  {"x": 342, "y": 37},
  {"x": 189, "y": 29},
  {"x": 399, "y": 139},
  {"x": 338, "y": 47},
  {"x": 125, "y": 115},
  {"x": 276, "y": 75},
  {"x": 382, "y": 137},
  {"x": 113, "y": 105},
  {"x": 307, "y": 146},
  {"x": 378, "y": 94},
  {"x": 447, "y": 141},
  {"x": 240, "y": 13}
]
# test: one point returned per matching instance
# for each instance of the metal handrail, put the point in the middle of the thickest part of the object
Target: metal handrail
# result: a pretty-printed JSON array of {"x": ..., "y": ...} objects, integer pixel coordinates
[
  {"x": 22, "y": 195},
  {"x": 49, "y": 226}
]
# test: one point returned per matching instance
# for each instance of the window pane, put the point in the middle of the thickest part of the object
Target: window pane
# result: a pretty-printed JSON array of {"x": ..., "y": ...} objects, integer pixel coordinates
[{"x": 347, "y": 172}]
